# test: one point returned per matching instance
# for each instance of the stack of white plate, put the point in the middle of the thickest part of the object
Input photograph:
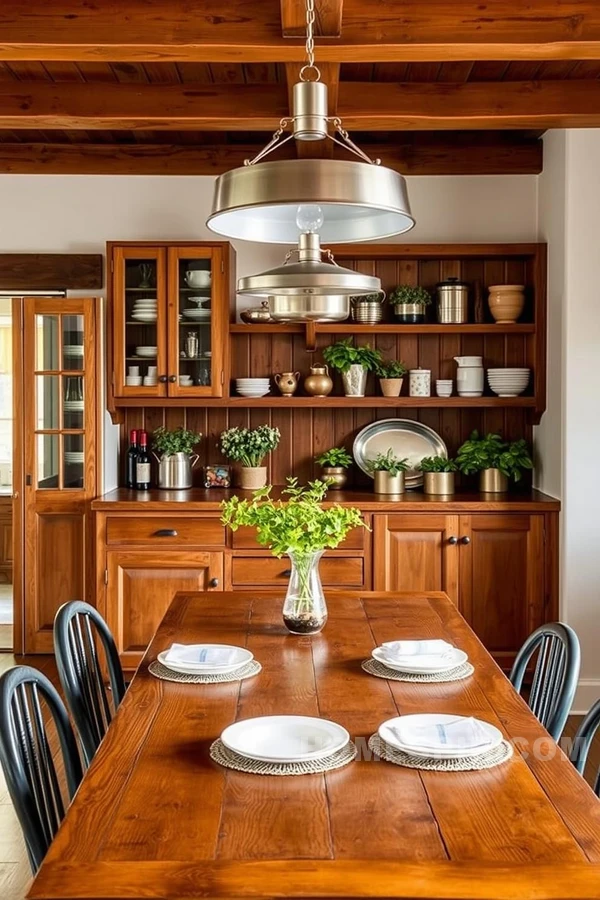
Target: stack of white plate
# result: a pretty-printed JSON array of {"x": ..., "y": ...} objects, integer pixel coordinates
[
  {"x": 73, "y": 405},
  {"x": 508, "y": 382},
  {"x": 440, "y": 736},
  {"x": 73, "y": 456},
  {"x": 428, "y": 657},
  {"x": 74, "y": 350},
  {"x": 197, "y": 315},
  {"x": 147, "y": 351},
  {"x": 285, "y": 739},
  {"x": 144, "y": 309},
  {"x": 252, "y": 387},
  {"x": 205, "y": 659}
]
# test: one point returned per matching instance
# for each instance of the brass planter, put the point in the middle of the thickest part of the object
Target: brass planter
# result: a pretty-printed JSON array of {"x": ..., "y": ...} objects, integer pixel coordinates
[
  {"x": 384, "y": 483},
  {"x": 438, "y": 482},
  {"x": 493, "y": 481},
  {"x": 336, "y": 474},
  {"x": 410, "y": 313}
]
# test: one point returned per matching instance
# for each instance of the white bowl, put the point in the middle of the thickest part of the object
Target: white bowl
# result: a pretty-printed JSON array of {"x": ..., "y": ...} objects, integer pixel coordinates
[{"x": 149, "y": 352}]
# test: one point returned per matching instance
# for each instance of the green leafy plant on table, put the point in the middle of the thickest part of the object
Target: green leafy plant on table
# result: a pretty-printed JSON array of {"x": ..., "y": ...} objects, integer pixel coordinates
[
  {"x": 387, "y": 462},
  {"x": 180, "y": 440},
  {"x": 336, "y": 457},
  {"x": 249, "y": 446},
  {"x": 437, "y": 464},
  {"x": 492, "y": 452},
  {"x": 344, "y": 354}
]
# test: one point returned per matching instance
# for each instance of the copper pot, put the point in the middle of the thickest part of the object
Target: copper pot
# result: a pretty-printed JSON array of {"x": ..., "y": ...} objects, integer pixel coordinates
[{"x": 318, "y": 383}]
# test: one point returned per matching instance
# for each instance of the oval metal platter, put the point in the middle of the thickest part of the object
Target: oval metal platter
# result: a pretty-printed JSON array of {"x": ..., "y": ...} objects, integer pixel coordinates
[{"x": 407, "y": 439}]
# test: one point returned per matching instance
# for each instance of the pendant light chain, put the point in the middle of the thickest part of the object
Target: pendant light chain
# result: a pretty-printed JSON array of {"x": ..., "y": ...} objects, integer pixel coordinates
[{"x": 310, "y": 45}]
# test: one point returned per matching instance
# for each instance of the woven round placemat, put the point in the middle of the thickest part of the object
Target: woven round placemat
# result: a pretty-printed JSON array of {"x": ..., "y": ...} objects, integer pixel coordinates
[
  {"x": 468, "y": 764},
  {"x": 220, "y": 754},
  {"x": 248, "y": 671},
  {"x": 374, "y": 667}
]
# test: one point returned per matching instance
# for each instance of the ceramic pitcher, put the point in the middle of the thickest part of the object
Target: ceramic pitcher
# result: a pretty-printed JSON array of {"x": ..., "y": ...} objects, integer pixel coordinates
[{"x": 287, "y": 382}]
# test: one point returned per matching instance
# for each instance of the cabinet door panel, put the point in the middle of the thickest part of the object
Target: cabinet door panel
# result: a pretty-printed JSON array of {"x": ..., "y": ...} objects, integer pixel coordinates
[
  {"x": 141, "y": 587},
  {"x": 502, "y": 579},
  {"x": 412, "y": 552}
]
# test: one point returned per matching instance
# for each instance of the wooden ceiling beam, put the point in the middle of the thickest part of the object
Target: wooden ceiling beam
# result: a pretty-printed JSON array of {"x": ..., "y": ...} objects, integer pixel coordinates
[
  {"x": 243, "y": 31},
  {"x": 363, "y": 106},
  {"x": 328, "y": 18},
  {"x": 416, "y": 154}
]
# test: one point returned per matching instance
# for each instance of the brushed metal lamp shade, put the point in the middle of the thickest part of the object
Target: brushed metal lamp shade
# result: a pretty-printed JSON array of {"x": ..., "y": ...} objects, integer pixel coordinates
[{"x": 359, "y": 202}]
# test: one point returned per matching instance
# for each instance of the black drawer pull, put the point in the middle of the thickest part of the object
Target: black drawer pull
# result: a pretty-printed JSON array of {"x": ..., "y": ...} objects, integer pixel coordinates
[
  {"x": 165, "y": 532},
  {"x": 286, "y": 573},
  {"x": 213, "y": 583}
]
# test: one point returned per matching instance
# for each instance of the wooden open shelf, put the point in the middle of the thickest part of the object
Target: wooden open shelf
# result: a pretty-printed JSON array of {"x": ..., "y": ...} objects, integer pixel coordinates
[
  {"x": 275, "y": 402},
  {"x": 385, "y": 328}
]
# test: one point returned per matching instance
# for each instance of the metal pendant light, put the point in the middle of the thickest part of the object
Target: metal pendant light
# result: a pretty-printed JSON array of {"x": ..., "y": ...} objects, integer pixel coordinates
[{"x": 305, "y": 200}]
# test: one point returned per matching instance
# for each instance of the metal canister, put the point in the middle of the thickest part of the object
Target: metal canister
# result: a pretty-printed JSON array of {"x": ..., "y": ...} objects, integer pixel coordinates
[
  {"x": 452, "y": 297},
  {"x": 367, "y": 310}
]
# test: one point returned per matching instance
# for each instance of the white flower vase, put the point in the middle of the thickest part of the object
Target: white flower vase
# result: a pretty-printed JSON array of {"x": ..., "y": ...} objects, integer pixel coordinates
[{"x": 355, "y": 381}]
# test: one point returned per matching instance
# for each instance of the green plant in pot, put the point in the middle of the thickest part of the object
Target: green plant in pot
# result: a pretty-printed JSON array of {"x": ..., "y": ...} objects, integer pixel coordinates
[
  {"x": 334, "y": 462},
  {"x": 354, "y": 363},
  {"x": 390, "y": 373},
  {"x": 301, "y": 527},
  {"x": 410, "y": 303},
  {"x": 174, "y": 451},
  {"x": 249, "y": 446},
  {"x": 438, "y": 474},
  {"x": 495, "y": 459},
  {"x": 388, "y": 472}
]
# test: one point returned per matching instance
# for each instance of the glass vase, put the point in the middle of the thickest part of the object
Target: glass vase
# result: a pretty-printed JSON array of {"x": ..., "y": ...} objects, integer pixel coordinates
[{"x": 304, "y": 608}]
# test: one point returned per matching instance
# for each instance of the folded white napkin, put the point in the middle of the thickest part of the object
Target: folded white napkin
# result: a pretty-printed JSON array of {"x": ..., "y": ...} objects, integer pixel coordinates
[
  {"x": 424, "y": 652},
  {"x": 196, "y": 654},
  {"x": 459, "y": 734}
]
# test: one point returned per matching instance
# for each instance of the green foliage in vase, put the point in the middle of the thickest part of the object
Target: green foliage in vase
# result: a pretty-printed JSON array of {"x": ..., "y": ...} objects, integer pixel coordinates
[
  {"x": 368, "y": 298},
  {"x": 337, "y": 457},
  {"x": 391, "y": 368},
  {"x": 299, "y": 524},
  {"x": 387, "y": 462},
  {"x": 249, "y": 446},
  {"x": 181, "y": 440},
  {"x": 492, "y": 452},
  {"x": 437, "y": 464},
  {"x": 344, "y": 354},
  {"x": 406, "y": 293}
]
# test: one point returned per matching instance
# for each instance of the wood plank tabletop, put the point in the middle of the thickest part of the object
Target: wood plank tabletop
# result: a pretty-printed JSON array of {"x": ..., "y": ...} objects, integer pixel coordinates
[{"x": 156, "y": 818}]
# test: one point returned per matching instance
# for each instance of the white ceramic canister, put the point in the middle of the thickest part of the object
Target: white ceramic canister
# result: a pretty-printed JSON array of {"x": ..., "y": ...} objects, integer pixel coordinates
[
  {"x": 419, "y": 383},
  {"x": 469, "y": 376}
]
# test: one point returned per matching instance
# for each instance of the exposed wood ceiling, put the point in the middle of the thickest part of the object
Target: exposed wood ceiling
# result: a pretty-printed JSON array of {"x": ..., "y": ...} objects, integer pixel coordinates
[{"x": 150, "y": 86}]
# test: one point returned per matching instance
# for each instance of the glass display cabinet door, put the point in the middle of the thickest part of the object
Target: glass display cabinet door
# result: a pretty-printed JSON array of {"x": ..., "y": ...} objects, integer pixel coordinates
[
  {"x": 198, "y": 310},
  {"x": 139, "y": 322},
  {"x": 59, "y": 451}
]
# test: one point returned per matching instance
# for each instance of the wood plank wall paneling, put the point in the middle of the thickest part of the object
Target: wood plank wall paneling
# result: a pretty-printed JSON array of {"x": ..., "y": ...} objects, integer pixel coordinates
[{"x": 307, "y": 432}]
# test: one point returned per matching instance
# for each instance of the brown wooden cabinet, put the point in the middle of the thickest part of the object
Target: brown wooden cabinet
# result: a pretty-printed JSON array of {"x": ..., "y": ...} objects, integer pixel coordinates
[{"x": 170, "y": 306}]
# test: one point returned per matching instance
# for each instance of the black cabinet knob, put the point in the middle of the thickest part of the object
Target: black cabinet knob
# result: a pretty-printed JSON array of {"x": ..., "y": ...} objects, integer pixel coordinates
[
  {"x": 453, "y": 540},
  {"x": 465, "y": 540},
  {"x": 214, "y": 582},
  {"x": 286, "y": 573},
  {"x": 172, "y": 378},
  {"x": 165, "y": 532},
  {"x": 162, "y": 379}
]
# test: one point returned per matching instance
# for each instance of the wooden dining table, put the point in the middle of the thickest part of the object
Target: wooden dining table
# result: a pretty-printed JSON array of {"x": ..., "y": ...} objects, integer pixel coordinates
[{"x": 155, "y": 817}]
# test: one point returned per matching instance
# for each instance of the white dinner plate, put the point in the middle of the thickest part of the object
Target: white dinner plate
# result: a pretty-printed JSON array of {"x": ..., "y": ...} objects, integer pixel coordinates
[
  {"x": 386, "y": 733},
  {"x": 243, "y": 658},
  {"x": 457, "y": 658},
  {"x": 282, "y": 739}
]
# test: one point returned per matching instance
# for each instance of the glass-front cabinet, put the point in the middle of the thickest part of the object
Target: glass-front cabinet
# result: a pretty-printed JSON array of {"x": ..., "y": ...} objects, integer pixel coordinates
[{"x": 170, "y": 318}]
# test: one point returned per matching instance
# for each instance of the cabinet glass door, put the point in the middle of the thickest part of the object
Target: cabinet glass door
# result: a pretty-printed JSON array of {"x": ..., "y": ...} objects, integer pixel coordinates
[
  {"x": 139, "y": 322},
  {"x": 196, "y": 338}
]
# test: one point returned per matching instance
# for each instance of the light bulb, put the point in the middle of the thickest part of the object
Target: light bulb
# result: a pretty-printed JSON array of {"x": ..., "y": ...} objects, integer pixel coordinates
[{"x": 309, "y": 218}]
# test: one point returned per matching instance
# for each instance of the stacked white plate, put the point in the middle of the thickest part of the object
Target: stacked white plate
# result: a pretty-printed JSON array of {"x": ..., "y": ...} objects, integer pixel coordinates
[
  {"x": 197, "y": 315},
  {"x": 440, "y": 736},
  {"x": 73, "y": 405},
  {"x": 74, "y": 350},
  {"x": 205, "y": 659},
  {"x": 252, "y": 387},
  {"x": 285, "y": 739},
  {"x": 145, "y": 309},
  {"x": 428, "y": 657},
  {"x": 147, "y": 351},
  {"x": 73, "y": 456},
  {"x": 508, "y": 382}
]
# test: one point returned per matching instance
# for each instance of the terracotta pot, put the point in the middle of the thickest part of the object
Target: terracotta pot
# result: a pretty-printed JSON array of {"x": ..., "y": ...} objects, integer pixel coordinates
[
  {"x": 384, "y": 483},
  {"x": 252, "y": 477},
  {"x": 493, "y": 481},
  {"x": 506, "y": 302},
  {"x": 337, "y": 474},
  {"x": 318, "y": 383},
  {"x": 438, "y": 482},
  {"x": 391, "y": 387}
]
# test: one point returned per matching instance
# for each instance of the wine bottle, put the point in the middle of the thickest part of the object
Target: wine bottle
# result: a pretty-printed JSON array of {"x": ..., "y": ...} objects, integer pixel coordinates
[
  {"x": 142, "y": 466},
  {"x": 132, "y": 455}
]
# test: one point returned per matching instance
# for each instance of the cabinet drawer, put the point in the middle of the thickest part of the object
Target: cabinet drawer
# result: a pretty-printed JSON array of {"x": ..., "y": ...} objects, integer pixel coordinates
[
  {"x": 165, "y": 531},
  {"x": 245, "y": 539},
  {"x": 341, "y": 571}
]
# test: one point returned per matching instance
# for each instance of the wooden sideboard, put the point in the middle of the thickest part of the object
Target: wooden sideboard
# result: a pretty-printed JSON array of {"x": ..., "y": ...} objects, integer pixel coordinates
[{"x": 497, "y": 559}]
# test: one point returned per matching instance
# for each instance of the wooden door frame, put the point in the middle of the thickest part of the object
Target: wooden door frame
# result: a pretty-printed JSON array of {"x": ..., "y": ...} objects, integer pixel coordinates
[{"x": 18, "y": 475}]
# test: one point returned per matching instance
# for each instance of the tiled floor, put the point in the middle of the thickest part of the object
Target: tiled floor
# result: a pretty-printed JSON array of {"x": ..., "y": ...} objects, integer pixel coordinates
[
  {"x": 6, "y": 617},
  {"x": 15, "y": 874}
]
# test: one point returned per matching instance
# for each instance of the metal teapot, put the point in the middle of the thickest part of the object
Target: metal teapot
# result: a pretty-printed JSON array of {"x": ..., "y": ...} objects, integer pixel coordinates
[{"x": 175, "y": 470}]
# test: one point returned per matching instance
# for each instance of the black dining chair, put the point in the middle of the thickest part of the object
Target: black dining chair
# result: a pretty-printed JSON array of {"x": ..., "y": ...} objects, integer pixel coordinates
[
  {"x": 82, "y": 643},
  {"x": 583, "y": 741},
  {"x": 28, "y": 705},
  {"x": 554, "y": 676}
]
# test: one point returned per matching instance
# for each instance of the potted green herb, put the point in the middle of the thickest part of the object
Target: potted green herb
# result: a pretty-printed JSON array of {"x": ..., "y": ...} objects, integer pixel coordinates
[
  {"x": 495, "y": 459},
  {"x": 390, "y": 373},
  {"x": 354, "y": 363},
  {"x": 174, "y": 451},
  {"x": 388, "y": 472},
  {"x": 249, "y": 446},
  {"x": 303, "y": 529},
  {"x": 438, "y": 474},
  {"x": 335, "y": 462},
  {"x": 410, "y": 303}
]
